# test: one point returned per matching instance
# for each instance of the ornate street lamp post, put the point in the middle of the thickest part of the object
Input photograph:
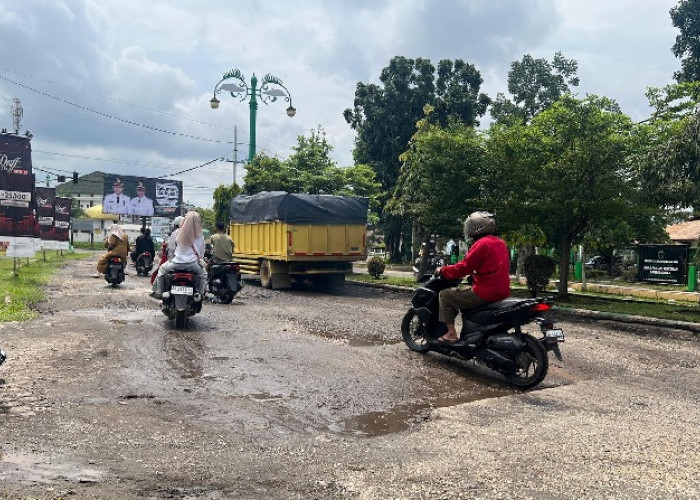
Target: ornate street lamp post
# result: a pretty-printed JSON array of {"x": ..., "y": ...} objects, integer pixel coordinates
[{"x": 264, "y": 93}]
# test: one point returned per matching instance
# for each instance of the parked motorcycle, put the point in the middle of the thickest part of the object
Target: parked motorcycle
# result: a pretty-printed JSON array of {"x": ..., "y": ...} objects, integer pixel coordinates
[
  {"x": 3, "y": 356},
  {"x": 491, "y": 334},
  {"x": 435, "y": 260},
  {"x": 115, "y": 270},
  {"x": 144, "y": 264},
  {"x": 224, "y": 281},
  {"x": 180, "y": 298}
]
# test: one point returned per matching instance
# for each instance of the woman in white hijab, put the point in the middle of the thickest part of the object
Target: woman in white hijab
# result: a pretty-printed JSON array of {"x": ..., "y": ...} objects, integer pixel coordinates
[
  {"x": 117, "y": 244},
  {"x": 188, "y": 252}
]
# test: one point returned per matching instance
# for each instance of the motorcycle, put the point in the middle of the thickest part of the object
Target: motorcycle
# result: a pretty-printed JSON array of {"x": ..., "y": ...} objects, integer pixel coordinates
[
  {"x": 491, "y": 334},
  {"x": 180, "y": 299},
  {"x": 434, "y": 261},
  {"x": 144, "y": 264},
  {"x": 3, "y": 356},
  {"x": 115, "y": 270},
  {"x": 224, "y": 281}
]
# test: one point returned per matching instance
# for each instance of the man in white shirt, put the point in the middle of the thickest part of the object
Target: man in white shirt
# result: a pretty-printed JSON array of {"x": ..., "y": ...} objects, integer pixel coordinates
[
  {"x": 117, "y": 202},
  {"x": 141, "y": 205}
]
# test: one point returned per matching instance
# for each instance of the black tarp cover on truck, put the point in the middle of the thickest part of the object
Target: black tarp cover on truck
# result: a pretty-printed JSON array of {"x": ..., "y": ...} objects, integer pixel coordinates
[{"x": 292, "y": 208}]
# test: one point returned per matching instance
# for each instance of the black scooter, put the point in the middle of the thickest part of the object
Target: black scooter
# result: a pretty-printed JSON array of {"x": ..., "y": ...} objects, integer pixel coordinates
[
  {"x": 144, "y": 264},
  {"x": 224, "y": 281},
  {"x": 180, "y": 298},
  {"x": 491, "y": 334},
  {"x": 115, "y": 271}
]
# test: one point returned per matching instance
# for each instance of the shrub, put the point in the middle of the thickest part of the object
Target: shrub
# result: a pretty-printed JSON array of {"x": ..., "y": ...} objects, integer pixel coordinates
[
  {"x": 538, "y": 269},
  {"x": 375, "y": 266}
]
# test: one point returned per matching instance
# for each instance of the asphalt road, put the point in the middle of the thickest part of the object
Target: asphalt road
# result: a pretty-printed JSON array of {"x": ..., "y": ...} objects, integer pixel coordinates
[{"x": 296, "y": 394}]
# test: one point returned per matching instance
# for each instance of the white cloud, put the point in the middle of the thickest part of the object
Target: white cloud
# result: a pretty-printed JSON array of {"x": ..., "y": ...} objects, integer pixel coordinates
[{"x": 156, "y": 64}]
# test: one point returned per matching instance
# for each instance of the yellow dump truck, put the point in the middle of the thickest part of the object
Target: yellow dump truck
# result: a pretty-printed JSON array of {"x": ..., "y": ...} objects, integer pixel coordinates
[{"x": 284, "y": 236}]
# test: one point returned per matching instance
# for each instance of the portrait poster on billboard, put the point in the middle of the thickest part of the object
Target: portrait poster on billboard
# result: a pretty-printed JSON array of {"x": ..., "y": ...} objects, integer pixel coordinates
[
  {"x": 16, "y": 187},
  {"x": 141, "y": 196},
  {"x": 61, "y": 220},
  {"x": 44, "y": 199}
]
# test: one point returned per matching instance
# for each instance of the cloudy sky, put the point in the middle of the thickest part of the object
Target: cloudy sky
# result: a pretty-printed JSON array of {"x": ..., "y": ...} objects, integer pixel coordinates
[{"x": 124, "y": 86}]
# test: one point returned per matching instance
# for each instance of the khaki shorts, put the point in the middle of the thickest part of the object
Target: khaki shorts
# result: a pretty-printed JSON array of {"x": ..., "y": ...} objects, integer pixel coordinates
[{"x": 453, "y": 300}]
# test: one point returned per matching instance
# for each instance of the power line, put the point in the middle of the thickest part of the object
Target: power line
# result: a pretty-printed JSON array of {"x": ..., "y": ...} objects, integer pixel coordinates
[
  {"x": 112, "y": 117},
  {"x": 101, "y": 96}
]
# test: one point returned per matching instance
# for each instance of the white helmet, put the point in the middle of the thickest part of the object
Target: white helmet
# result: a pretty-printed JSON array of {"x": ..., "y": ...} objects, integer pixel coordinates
[
  {"x": 176, "y": 223},
  {"x": 479, "y": 224}
]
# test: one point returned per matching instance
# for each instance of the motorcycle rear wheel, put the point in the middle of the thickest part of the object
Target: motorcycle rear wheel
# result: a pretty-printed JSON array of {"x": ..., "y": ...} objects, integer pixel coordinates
[
  {"x": 532, "y": 364},
  {"x": 226, "y": 297},
  {"x": 413, "y": 332},
  {"x": 180, "y": 319}
]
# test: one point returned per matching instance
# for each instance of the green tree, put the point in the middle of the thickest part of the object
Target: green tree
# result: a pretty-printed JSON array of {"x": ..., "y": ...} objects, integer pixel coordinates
[
  {"x": 669, "y": 152},
  {"x": 534, "y": 85},
  {"x": 686, "y": 17},
  {"x": 266, "y": 173},
  {"x": 568, "y": 172},
  {"x": 209, "y": 218},
  {"x": 310, "y": 170},
  {"x": 384, "y": 117},
  {"x": 439, "y": 180},
  {"x": 223, "y": 195}
]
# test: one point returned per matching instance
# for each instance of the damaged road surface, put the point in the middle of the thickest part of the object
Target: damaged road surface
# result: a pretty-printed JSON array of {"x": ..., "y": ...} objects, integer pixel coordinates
[{"x": 300, "y": 394}]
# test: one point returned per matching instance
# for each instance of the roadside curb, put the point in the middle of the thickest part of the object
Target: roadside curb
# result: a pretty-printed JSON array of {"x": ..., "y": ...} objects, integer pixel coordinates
[{"x": 577, "y": 313}]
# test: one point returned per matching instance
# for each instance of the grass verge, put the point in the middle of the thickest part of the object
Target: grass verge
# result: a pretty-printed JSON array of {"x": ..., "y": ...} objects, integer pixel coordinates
[
  {"x": 591, "y": 302},
  {"x": 18, "y": 293}
]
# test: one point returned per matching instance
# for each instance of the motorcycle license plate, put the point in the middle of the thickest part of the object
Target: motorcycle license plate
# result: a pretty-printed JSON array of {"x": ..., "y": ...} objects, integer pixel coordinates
[
  {"x": 554, "y": 335},
  {"x": 181, "y": 290}
]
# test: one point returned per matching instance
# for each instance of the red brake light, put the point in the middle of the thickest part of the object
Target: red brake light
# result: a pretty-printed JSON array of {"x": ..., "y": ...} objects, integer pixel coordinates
[
  {"x": 540, "y": 307},
  {"x": 289, "y": 238}
]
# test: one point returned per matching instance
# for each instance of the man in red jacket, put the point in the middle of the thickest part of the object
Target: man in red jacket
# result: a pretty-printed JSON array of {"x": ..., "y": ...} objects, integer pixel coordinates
[{"x": 488, "y": 261}]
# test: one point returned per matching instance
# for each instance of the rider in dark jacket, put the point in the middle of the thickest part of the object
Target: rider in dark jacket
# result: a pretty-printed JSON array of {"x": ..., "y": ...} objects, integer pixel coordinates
[{"x": 144, "y": 243}]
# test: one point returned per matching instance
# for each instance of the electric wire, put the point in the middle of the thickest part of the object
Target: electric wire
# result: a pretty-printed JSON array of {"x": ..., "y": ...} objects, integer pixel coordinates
[{"x": 112, "y": 117}]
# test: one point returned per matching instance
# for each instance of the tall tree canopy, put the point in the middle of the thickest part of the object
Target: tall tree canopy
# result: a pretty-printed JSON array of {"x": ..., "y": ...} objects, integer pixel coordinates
[
  {"x": 439, "y": 181},
  {"x": 567, "y": 173},
  {"x": 534, "y": 84},
  {"x": 670, "y": 152},
  {"x": 385, "y": 115},
  {"x": 686, "y": 17}
]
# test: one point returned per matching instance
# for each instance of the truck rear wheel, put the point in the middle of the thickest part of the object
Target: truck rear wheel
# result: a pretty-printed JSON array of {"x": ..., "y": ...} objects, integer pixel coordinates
[{"x": 265, "y": 274}]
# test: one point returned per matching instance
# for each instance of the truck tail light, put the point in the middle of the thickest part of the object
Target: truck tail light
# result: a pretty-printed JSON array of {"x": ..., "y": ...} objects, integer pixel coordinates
[{"x": 290, "y": 240}]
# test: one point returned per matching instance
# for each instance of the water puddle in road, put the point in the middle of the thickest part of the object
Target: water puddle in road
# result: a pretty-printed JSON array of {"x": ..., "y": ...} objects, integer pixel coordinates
[
  {"x": 370, "y": 341},
  {"x": 402, "y": 417}
]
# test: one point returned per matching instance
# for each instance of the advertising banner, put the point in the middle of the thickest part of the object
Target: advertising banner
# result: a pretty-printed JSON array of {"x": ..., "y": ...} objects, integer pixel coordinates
[
  {"x": 44, "y": 199},
  {"x": 16, "y": 186},
  {"x": 141, "y": 196},
  {"x": 61, "y": 218},
  {"x": 663, "y": 263}
]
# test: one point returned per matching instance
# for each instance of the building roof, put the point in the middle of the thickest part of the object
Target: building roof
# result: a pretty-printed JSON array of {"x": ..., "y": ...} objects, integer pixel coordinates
[
  {"x": 91, "y": 183},
  {"x": 685, "y": 232}
]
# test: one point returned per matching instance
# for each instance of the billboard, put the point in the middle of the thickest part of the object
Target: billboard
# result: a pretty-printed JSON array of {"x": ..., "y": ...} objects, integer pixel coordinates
[
  {"x": 44, "y": 198},
  {"x": 663, "y": 263},
  {"x": 16, "y": 186},
  {"x": 62, "y": 218},
  {"x": 141, "y": 196}
]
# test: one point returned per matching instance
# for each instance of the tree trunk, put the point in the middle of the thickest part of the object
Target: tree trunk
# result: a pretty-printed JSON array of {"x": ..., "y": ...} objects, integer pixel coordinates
[
  {"x": 523, "y": 252},
  {"x": 565, "y": 250}
]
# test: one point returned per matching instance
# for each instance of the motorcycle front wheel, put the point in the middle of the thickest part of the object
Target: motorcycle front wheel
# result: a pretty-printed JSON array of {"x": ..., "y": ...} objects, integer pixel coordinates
[
  {"x": 413, "y": 332},
  {"x": 531, "y": 364}
]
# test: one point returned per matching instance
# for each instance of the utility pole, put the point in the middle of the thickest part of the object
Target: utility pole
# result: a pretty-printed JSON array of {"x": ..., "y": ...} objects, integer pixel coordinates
[{"x": 235, "y": 151}]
